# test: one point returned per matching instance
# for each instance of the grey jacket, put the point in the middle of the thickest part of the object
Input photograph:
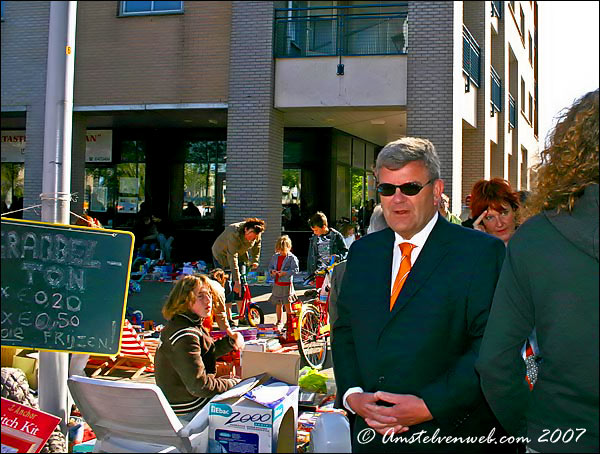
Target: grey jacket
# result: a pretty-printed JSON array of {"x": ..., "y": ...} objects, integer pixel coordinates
[
  {"x": 337, "y": 246},
  {"x": 231, "y": 246},
  {"x": 290, "y": 266}
]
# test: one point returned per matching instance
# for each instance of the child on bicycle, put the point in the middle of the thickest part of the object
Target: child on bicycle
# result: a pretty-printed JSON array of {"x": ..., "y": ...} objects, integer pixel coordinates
[{"x": 282, "y": 268}]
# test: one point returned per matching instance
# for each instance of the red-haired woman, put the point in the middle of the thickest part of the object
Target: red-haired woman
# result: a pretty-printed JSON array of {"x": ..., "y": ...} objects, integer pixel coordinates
[{"x": 494, "y": 206}]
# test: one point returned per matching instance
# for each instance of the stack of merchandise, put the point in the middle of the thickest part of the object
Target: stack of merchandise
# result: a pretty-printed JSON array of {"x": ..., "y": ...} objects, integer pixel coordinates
[
  {"x": 267, "y": 331},
  {"x": 267, "y": 339},
  {"x": 247, "y": 333},
  {"x": 263, "y": 345}
]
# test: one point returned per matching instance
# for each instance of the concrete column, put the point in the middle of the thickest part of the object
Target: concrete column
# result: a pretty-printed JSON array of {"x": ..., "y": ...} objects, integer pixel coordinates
[
  {"x": 254, "y": 127},
  {"x": 434, "y": 82},
  {"x": 476, "y": 155}
]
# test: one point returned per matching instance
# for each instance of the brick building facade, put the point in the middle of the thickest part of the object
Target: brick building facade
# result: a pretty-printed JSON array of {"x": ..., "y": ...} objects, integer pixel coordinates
[{"x": 242, "y": 107}]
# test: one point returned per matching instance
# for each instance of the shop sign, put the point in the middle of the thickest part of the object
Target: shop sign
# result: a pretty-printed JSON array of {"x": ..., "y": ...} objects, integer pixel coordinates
[
  {"x": 13, "y": 146},
  {"x": 98, "y": 146},
  {"x": 64, "y": 287},
  {"x": 25, "y": 429}
]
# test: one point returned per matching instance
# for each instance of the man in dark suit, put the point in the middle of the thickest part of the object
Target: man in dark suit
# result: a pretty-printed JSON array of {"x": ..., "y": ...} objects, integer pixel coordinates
[{"x": 412, "y": 311}]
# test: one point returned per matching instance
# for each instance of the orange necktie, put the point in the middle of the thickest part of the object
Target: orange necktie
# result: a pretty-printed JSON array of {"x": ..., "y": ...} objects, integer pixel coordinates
[{"x": 406, "y": 249}]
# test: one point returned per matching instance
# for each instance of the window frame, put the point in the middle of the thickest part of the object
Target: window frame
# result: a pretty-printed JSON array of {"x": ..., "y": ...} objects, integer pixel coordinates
[
  {"x": 152, "y": 12},
  {"x": 522, "y": 103}
]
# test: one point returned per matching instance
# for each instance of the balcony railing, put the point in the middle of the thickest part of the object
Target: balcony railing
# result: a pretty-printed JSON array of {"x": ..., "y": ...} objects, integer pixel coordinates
[
  {"x": 471, "y": 53},
  {"x": 512, "y": 112},
  {"x": 497, "y": 9},
  {"x": 380, "y": 29},
  {"x": 496, "y": 91}
]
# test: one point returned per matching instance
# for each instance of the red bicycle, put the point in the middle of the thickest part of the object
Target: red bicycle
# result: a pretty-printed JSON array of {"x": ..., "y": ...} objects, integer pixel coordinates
[
  {"x": 249, "y": 310},
  {"x": 312, "y": 330}
]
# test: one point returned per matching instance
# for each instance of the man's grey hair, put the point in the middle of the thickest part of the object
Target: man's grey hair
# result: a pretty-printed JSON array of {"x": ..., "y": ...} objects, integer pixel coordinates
[
  {"x": 398, "y": 153},
  {"x": 377, "y": 221}
]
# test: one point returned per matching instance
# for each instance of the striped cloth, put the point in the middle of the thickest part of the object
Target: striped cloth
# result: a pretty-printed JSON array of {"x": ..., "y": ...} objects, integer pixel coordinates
[{"x": 132, "y": 345}]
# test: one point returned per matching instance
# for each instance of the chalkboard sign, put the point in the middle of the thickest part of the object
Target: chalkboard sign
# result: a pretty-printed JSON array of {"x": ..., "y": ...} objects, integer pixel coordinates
[{"x": 64, "y": 288}]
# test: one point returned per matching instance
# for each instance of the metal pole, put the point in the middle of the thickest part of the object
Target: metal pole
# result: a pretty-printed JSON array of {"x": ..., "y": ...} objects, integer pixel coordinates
[{"x": 56, "y": 180}]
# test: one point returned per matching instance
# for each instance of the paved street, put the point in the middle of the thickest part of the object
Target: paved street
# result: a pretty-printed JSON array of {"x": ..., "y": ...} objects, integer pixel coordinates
[{"x": 261, "y": 293}]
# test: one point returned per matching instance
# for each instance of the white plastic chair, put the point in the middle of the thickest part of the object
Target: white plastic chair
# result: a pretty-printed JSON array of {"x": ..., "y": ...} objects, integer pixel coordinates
[{"x": 135, "y": 417}]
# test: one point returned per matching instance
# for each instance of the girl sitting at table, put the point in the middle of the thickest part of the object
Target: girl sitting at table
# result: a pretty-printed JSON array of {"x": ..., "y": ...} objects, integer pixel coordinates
[{"x": 185, "y": 360}]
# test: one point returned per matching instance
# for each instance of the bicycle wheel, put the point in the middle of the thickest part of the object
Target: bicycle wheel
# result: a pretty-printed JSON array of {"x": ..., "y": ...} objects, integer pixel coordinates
[
  {"x": 255, "y": 315},
  {"x": 311, "y": 344}
]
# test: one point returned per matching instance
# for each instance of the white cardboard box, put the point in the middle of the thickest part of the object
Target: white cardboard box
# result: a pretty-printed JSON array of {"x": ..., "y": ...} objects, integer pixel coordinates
[{"x": 260, "y": 414}]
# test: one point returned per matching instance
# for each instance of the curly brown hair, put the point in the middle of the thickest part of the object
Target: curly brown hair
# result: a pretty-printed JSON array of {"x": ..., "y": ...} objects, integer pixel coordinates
[
  {"x": 258, "y": 225},
  {"x": 182, "y": 294},
  {"x": 570, "y": 161}
]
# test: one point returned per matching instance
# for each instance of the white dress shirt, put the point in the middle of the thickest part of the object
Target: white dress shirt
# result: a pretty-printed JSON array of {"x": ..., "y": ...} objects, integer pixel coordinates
[{"x": 418, "y": 240}]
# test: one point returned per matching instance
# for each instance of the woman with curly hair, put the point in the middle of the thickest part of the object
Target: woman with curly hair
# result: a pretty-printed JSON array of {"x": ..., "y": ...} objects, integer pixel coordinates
[
  {"x": 494, "y": 207},
  {"x": 549, "y": 281}
]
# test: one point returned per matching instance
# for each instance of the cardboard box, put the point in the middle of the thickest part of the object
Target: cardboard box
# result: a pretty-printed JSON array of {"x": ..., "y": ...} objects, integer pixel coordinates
[
  {"x": 8, "y": 353},
  {"x": 282, "y": 366},
  {"x": 27, "y": 361},
  {"x": 260, "y": 414}
]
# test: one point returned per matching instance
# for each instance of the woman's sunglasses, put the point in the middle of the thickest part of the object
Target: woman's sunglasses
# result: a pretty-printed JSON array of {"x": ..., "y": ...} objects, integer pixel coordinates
[{"x": 389, "y": 189}]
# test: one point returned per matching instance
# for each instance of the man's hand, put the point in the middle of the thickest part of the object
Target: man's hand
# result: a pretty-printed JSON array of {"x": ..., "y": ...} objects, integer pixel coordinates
[
  {"x": 407, "y": 410},
  {"x": 364, "y": 404},
  {"x": 254, "y": 266}
]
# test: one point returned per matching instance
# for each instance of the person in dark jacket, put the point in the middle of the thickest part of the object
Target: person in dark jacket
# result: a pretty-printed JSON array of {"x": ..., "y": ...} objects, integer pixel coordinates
[
  {"x": 324, "y": 244},
  {"x": 550, "y": 281},
  {"x": 185, "y": 360}
]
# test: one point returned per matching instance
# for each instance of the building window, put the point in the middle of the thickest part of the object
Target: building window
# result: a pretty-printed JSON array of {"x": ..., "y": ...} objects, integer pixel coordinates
[
  {"x": 522, "y": 96},
  {"x": 291, "y": 193},
  {"x": 530, "y": 49},
  {"x": 13, "y": 182},
  {"x": 114, "y": 192},
  {"x": 530, "y": 108},
  {"x": 204, "y": 182},
  {"x": 524, "y": 158},
  {"x": 2, "y": 10},
  {"x": 522, "y": 30},
  {"x": 143, "y": 8}
]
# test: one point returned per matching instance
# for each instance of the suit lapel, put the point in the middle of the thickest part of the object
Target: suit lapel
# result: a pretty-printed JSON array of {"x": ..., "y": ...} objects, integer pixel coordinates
[{"x": 434, "y": 250}]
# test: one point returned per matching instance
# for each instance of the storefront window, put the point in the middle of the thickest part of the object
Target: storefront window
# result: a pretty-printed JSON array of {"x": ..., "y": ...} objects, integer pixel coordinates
[
  {"x": 291, "y": 190},
  {"x": 114, "y": 192},
  {"x": 343, "y": 192},
  {"x": 132, "y": 183},
  {"x": 100, "y": 189},
  {"x": 358, "y": 183},
  {"x": 203, "y": 187},
  {"x": 13, "y": 178}
]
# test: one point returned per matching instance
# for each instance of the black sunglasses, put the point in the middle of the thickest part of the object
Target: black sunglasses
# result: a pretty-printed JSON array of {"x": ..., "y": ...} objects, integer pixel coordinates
[{"x": 412, "y": 188}]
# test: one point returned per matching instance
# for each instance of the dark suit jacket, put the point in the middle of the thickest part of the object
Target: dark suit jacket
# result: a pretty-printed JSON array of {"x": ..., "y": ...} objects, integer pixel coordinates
[{"x": 428, "y": 344}]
